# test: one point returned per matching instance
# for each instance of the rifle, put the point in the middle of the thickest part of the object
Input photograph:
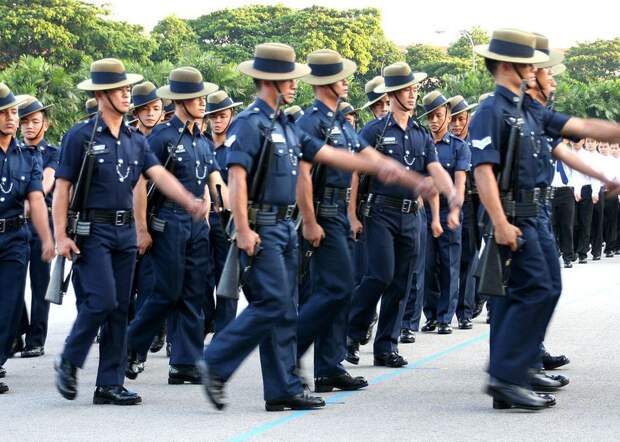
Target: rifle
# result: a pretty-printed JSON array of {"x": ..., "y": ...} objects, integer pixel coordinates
[
  {"x": 492, "y": 267},
  {"x": 232, "y": 278},
  {"x": 77, "y": 226}
]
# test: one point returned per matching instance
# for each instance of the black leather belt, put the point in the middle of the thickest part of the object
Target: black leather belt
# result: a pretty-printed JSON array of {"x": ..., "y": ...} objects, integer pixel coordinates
[
  {"x": 268, "y": 215},
  {"x": 336, "y": 194},
  {"x": 11, "y": 224},
  {"x": 112, "y": 217},
  {"x": 404, "y": 205},
  {"x": 528, "y": 202}
]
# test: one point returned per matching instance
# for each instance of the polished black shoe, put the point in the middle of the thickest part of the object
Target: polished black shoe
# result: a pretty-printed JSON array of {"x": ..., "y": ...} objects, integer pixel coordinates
[
  {"x": 2, "y": 372},
  {"x": 115, "y": 395},
  {"x": 3, "y": 388},
  {"x": 430, "y": 326},
  {"x": 596, "y": 258},
  {"x": 407, "y": 336},
  {"x": 353, "y": 352},
  {"x": 465, "y": 324},
  {"x": 563, "y": 380},
  {"x": 132, "y": 370},
  {"x": 444, "y": 329},
  {"x": 298, "y": 402},
  {"x": 553, "y": 362},
  {"x": 477, "y": 309},
  {"x": 33, "y": 352},
  {"x": 158, "y": 341},
  {"x": 17, "y": 347},
  {"x": 213, "y": 385},
  {"x": 393, "y": 360},
  {"x": 66, "y": 378},
  {"x": 609, "y": 255},
  {"x": 182, "y": 374},
  {"x": 583, "y": 260},
  {"x": 617, "y": 252},
  {"x": 568, "y": 264},
  {"x": 368, "y": 336},
  {"x": 540, "y": 381},
  {"x": 507, "y": 395},
  {"x": 343, "y": 381},
  {"x": 501, "y": 405}
]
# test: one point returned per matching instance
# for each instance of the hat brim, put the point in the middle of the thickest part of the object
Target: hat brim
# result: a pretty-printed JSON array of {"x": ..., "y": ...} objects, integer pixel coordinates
[
  {"x": 418, "y": 77},
  {"x": 247, "y": 68},
  {"x": 558, "y": 69},
  {"x": 230, "y": 106},
  {"x": 134, "y": 108},
  {"x": 555, "y": 58},
  {"x": 348, "y": 68},
  {"x": 207, "y": 88},
  {"x": 19, "y": 100},
  {"x": 43, "y": 109},
  {"x": 467, "y": 109},
  {"x": 370, "y": 103},
  {"x": 538, "y": 57},
  {"x": 88, "y": 85},
  {"x": 445, "y": 103}
]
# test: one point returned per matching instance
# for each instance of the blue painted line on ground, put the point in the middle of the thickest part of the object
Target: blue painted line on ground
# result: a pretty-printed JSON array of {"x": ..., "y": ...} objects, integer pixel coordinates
[{"x": 338, "y": 397}]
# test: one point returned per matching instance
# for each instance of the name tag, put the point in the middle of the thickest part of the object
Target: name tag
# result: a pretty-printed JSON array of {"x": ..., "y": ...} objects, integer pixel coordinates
[
  {"x": 278, "y": 138},
  {"x": 336, "y": 131},
  {"x": 100, "y": 148},
  {"x": 180, "y": 149},
  {"x": 389, "y": 140}
]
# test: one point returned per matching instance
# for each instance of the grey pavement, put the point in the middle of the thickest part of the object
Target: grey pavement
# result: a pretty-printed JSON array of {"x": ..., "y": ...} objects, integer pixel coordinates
[{"x": 437, "y": 397}]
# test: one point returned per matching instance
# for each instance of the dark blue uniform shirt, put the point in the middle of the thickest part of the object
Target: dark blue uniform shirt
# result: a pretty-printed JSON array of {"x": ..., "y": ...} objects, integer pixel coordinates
[
  {"x": 453, "y": 154},
  {"x": 118, "y": 163},
  {"x": 316, "y": 121},
  {"x": 49, "y": 156},
  {"x": 20, "y": 174},
  {"x": 245, "y": 141},
  {"x": 490, "y": 130},
  {"x": 412, "y": 147},
  {"x": 193, "y": 155}
]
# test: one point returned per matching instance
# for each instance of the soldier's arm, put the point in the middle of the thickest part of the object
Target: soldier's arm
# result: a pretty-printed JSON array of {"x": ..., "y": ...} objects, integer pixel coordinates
[
  {"x": 48, "y": 179},
  {"x": 39, "y": 218},
  {"x": 572, "y": 160},
  {"x": 215, "y": 179},
  {"x": 174, "y": 190},
  {"x": 312, "y": 231},
  {"x": 591, "y": 128},
  {"x": 139, "y": 214},
  {"x": 442, "y": 180}
]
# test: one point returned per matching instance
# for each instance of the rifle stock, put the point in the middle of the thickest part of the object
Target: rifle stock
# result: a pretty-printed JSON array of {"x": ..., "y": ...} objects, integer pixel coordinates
[{"x": 56, "y": 289}]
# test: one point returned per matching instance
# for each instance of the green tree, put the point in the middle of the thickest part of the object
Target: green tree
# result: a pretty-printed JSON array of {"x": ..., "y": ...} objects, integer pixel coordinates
[
  {"x": 462, "y": 47},
  {"x": 173, "y": 36},
  {"x": 597, "y": 60}
]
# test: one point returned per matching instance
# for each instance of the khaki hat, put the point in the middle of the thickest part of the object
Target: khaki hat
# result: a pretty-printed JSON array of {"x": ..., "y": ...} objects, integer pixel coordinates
[
  {"x": 185, "y": 83},
  {"x": 295, "y": 112},
  {"x": 168, "y": 106},
  {"x": 30, "y": 105},
  {"x": 143, "y": 94},
  {"x": 369, "y": 89},
  {"x": 484, "y": 96},
  {"x": 328, "y": 67},
  {"x": 555, "y": 56},
  {"x": 219, "y": 101},
  {"x": 512, "y": 46},
  {"x": 107, "y": 74},
  {"x": 7, "y": 99},
  {"x": 398, "y": 76},
  {"x": 558, "y": 69},
  {"x": 458, "y": 105},
  {"x": 433, "y": 100},
  {"x": 91, "y": 107},
  {"x": 274, "y": 61},
  {"x": 346, "y": 108}
]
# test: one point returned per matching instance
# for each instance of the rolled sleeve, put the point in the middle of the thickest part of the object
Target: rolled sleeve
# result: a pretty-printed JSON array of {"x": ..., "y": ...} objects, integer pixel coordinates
[
  {"x": 244, "y": 144},
  {"x": 36, "y": 179},
  {"x": 430, "y": 150},
  {"x": 554, "y": 122},
  {"x": 71, "y": 155},
  {"x": 150, "y": 160},
  {"x": 485, "y": 137},
  {"x": 463, "y": 157},
  {"x": 52, "y": 159},
  {"x": 310, "y": 145}
]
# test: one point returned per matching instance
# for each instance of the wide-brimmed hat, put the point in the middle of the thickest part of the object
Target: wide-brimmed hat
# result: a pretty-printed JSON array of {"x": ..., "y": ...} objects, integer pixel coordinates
[
  {"x": 458, "y": 105},
  {"x": 143, "y": 94},
  {"x": 512, "y": 46},
  {"x": 555, "y": 56},
  {"x": 185, "y": 83},
  {"x": 433, "y": 100},
  {"x": 219, "y": 101},
  {"x": 328, "y": 67},
  {"x": 369, "y": 89},
  {"x": 91, "y": 107},
  {"x": 398, "y": 76},
  {"x": 274, "y": 61},
  {"x": 558, "y": 69},
  {"x": 168, "y": 106},
  {"x": 30, "y": 105},
  {"x": 295, "y": 112},
  {"x": 346, "y": 108},
  {"x": 484, "y": 96},
  {"x": 7, "y": 99},
  {"x": 107, "y": 74}
]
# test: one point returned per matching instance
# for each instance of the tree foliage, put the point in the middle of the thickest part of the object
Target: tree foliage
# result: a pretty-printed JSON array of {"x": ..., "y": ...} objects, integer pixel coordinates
[{"x": 597, "y": 60}]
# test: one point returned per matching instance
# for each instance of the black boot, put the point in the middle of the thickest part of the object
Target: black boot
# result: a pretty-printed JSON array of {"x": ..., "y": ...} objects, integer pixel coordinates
[{"x": 66, "y": 378}]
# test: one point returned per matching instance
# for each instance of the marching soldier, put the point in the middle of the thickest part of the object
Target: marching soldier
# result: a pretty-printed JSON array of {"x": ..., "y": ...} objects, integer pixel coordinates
[
  {"x": 91, "y": 107},
  {"x": 265, "y": 232},
  {"x": 378, "y": 103},
  {"x": 520, "y": 318},
  {"x": 147, "y": 107},
  {"x": 21, "y": 179},
  {"x": 106, "y": 256},
  {"x": 350, "y": 113},
  {"x": 34, "y": 124}
]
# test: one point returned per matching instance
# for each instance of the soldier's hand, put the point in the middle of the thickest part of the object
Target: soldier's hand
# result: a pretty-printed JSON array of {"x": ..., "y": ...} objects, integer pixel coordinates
[
  {"x": 426, "y": 188},
  {"x": 613, "y": 188},
  {"x": 356, "y": 227},
  {"x": 577, "y": 197},
  {"x": 313, "y": 233},
  {"x": 47, "y": 251},
  {"x": 198, "y": 209},
  {"x": 66, "y": 247},
  {"x": 248, "y": 241},
  {"x": 506, "y": 235},
  {"x": 454, "y": 218},
  {"x": 390, "y": 172},
  {"x": 436, "y": 229},
  {"x": 145, "y": 241},
  {"x": 595, "y": 199}
]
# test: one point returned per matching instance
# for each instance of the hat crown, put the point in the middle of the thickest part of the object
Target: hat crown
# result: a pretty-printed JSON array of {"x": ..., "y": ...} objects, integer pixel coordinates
[
  {"x": 4, "y": 90},
  {"x": 373, "y": 84},
  {"x": 217, "y": 97},
  {"x": 433, "y": 96},
  {"x": 324, "y": 56},
  {"x": 542, "y": 43},
  {"x": 112, "y": 65},
  {"x": 515, "y": 36},
  {"x": 29, "y": 100},
  {"x": 186, "y": 74},
  {"x": 275, "y": 51},
  {"x": 397, "y": 70},
  {"x": 292, "y": 110},
  {"x": 142, "y": 89}
]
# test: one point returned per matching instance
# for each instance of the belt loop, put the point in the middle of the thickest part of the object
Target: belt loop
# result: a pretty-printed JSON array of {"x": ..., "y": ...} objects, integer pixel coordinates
[{"x": 2, "y": 225}]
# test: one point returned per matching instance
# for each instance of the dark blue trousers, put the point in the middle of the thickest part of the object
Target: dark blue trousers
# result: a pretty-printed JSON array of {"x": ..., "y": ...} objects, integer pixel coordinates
[
  {"x": 102, "y": 280},
  {"x": 391, "y": 249},
  {"x": 443, "y": 256},
  {"x": 469, "y": 251},
  {"x": 180, "y": 263},
  {"x": 270, "y": 319},
  {"x": 413, "y": 308},
  {"x": 323, "y": 313},
  {"x": 520, "y": 318},
  {"x": 14, "y": 254}
]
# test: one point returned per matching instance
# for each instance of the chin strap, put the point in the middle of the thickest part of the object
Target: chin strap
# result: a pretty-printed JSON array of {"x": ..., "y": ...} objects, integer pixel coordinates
[
  {"x": 107, "y": 97},
  {"x": 147, "y": 126},
  {"x": 408, "y": 109},
  {"x": 460, "y": 134}
]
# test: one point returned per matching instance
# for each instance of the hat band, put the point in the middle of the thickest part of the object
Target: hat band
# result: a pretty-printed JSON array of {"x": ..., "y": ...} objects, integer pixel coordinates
[
  {"x": 107, "y": 77},
  {"x": 439, "y": 101},
  {"x": 185, "y": 87},
  {"x": 397, "y": 80},
  {"x": 372, "y": 96},
  {"x": 347, "y": 110},
  {"x": 141, "y": 100},
  {"x": 5, "y": 101},
  {"x": 510, "y": 49},
  {"x": 273, "y": 66},
  {"x": 325, "y": 70},
  {"x": 31, "y": 108},
  {"x": 545, "y": 51},
  {"x": 460, "y": 106},
  {"x": 213, "y": 107}
]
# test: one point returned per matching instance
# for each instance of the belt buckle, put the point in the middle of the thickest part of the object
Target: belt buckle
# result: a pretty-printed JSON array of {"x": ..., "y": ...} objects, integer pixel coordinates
[
  {"x": 118, "y": 219},
  {"x": 347, "y": 196},
  {"x": 406, "y": 207},
  {"x": 2, "y": 225},
  {"x": 289, "y": 211}
]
